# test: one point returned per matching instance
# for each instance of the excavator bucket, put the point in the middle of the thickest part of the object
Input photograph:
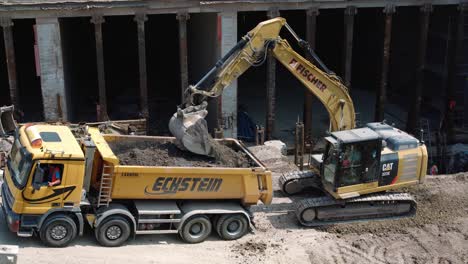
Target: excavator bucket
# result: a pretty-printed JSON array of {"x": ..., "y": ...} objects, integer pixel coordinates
[
  {"x": 7, "y": 122},
  {"x": 191, "y": 131}
]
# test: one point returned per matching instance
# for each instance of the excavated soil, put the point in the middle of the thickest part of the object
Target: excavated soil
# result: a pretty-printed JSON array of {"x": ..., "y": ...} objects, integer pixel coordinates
[{"x": 168, "y": 154}]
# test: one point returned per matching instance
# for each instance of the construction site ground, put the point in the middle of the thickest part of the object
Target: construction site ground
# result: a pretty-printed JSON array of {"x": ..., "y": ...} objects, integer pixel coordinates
[{"x": 438, "y": 234}]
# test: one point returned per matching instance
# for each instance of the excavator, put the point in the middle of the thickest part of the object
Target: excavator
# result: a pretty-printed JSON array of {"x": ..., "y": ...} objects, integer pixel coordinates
[{"x": 361, "y": 167}]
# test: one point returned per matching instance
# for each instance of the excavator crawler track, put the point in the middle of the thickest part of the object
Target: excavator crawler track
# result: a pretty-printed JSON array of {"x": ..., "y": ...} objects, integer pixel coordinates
[
  {"x": 326, "y": 210},
  {"x": 296, "y": 181}
]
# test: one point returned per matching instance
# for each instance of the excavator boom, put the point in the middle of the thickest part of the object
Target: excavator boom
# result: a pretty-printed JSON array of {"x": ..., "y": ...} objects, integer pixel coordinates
[{"x": 188, "y": 124}]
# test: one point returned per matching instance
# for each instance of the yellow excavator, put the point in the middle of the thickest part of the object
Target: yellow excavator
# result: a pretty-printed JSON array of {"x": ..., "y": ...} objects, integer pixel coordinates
[{"x": 359, "y": 165}]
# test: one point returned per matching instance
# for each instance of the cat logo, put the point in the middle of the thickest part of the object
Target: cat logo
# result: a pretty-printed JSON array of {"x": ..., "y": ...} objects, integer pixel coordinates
[{"x": 387, "y": 169}]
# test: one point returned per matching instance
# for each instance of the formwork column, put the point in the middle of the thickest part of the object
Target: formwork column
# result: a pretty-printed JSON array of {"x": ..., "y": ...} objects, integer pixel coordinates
[
  {"x": 229, "y": 97},
  {"x": 102, "y": 107},
  {"x": 183, "y": 56},
  {"x": 54, "y": 94},
  {"x": 271, "y": 86},
  {"x": 349, "y": 15},
  {"x": 7, "y": 25},
  {"x": 415, "y": 107},
  {"x": 140, "y": 19},
  {"x": 311, "y": 29},
  {"x": 382, "y": 90}
]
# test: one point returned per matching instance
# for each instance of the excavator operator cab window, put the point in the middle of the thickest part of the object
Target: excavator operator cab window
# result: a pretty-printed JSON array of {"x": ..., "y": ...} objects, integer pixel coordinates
[{"x": 359, "y": 163}]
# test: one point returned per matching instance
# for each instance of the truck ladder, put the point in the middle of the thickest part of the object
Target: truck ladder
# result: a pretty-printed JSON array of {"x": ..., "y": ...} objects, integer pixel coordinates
[{"x": 105, "y": 188}]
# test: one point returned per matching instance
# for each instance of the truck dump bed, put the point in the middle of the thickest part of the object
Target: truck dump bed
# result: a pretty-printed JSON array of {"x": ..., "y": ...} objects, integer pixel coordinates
[{"x": 147, "y": 167}]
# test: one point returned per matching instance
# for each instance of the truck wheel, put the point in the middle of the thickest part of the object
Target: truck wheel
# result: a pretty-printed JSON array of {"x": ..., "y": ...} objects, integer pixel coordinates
[
  {"x": 113, "y": 232},
  {"x": 58, "y": 231},
  {"x": 232, "y": 226},
  {"x": 196, "y": 229}
]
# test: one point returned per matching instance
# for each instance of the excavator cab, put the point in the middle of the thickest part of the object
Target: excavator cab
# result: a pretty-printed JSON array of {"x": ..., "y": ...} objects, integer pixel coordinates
[
  {"x": 351, "y": 162},
  {"x": 7, "y": 122}
]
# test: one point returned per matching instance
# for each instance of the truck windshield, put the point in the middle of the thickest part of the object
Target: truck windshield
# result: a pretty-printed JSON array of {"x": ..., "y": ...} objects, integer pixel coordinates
[
  {"x": 19, "y": 164},
  {"x": 330, "y": 163}
]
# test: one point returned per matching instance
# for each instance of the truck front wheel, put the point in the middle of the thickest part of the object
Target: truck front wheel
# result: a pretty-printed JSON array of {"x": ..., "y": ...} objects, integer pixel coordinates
[
  {"x": 58, "y": 231},
  {"x": 113, "y": 232},
  {"x": 196, "y": 229},
  {"x": 232, "y": 226}
]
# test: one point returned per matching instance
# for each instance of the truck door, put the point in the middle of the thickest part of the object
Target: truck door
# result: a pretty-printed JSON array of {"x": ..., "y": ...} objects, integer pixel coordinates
[{"x": 38, "y": 196}]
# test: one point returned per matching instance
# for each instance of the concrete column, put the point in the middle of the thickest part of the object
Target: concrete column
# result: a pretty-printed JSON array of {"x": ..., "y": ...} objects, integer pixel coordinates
[
  {"x": 229, "y": 97},
  {"x": 382, "y": 90},
  {"x": 7, "y": 25},
  {"x": 102, "y": 107},
  {"x": 271, "y": 87},
  {"x": 415, "y": 107},
  {"x": 54, "y": 94},
  {"x": 140, "y": 20},
  {"x": 183, "y": 55},
  {"x": 350, "y": 12},
  {"x": 311, "y": 29}
]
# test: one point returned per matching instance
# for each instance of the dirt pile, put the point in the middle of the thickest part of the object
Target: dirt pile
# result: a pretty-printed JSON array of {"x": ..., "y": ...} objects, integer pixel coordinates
[
  {"x": 168, "y": 154},
  {"x": 436, "y": 206}
]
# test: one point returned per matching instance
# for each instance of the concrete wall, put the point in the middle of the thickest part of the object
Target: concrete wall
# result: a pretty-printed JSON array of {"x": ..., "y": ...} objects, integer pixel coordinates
[{"x": 54, "y": 94}]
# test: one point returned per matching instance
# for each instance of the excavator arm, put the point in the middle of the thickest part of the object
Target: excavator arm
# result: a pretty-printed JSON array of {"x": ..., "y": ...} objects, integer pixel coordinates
[{"x": 188, "y": 125}]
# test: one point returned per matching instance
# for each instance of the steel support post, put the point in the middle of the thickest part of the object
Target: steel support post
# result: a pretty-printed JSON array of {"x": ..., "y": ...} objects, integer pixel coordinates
[
  {"x": 140, "y": 19},
  {"x": 311, "y": 29},
  {"x": 415, "y": 107},
  {"x": 349, "y": 14},
  {"x": 102, "y": 107},
  {"x": 271, "y": 86},
  {"x": 182, "y": 18},
  {"x": 7, "y": 25},
  {"x": 382, "y": 90}
]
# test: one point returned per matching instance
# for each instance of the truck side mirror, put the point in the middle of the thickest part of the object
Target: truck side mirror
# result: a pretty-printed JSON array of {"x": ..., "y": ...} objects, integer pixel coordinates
[{"x": 38, "y": 177}]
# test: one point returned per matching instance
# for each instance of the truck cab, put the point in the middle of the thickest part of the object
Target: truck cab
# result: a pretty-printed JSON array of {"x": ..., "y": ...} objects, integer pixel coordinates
[{"x": 29, "y": 198}]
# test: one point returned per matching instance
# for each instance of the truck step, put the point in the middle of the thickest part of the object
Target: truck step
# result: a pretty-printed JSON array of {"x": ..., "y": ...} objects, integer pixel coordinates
[{"x": 25, "y": 233}]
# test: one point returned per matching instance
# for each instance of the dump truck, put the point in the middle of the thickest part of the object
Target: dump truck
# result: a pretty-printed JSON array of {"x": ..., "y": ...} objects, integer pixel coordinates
[{"x": 55, "y": 183}]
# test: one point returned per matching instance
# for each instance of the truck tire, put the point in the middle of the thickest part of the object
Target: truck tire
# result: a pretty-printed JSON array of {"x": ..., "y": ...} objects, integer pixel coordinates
[
  {"x": 113, "y": 232},
  {"x": 196, "y": 229},
  {"x": 232, "y": 226},
  {"x": 58, "y": 231}
]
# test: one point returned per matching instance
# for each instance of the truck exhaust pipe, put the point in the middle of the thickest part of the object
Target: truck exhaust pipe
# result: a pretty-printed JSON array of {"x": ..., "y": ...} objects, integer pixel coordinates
[{"x": 7, "y": 122}]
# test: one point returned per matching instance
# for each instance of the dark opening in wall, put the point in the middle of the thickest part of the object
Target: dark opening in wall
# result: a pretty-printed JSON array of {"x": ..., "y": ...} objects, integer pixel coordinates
[
  {"x": 121, "y": 67},
  {"x": 29, "y": 84},
  {"x": 251, "y": 86},
  {"x": 203, "y": 52},
  {"x": 367, "y": 61},
  {"x": 440, "y": 43},
  {"x": 4, "y": 86},
  {"x": 403, "y": 57},
  {"x": 79, "y": 54},
  {"x": 162, "y": 55}
]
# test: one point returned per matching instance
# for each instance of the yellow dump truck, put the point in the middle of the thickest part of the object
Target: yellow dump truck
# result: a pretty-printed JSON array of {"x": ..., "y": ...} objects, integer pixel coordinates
[{"x": 55, "y": 182}]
